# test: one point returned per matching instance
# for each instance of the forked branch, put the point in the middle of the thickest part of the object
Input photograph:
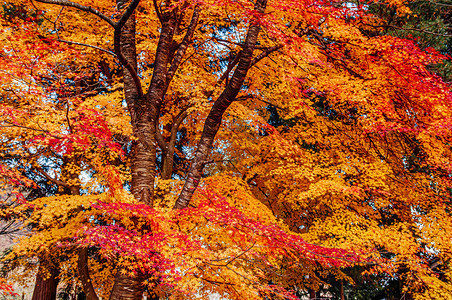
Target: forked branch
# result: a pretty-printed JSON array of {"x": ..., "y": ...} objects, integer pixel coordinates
[
  {"x": 117, "y": 33},
  {"x": 183, "y": 46}
]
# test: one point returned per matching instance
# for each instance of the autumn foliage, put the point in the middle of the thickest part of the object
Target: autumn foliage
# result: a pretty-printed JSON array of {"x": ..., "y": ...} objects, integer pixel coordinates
[{"x": 252, "y": 149}]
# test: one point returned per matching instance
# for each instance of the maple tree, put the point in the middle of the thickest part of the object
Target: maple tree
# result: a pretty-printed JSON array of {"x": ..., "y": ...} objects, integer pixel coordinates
[{"x": 319, "y": 143}]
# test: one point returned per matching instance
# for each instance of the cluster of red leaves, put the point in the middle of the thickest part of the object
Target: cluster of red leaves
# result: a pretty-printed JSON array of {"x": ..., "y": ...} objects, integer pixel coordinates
[
  {"x": 16, "y": 181},
  {"x": 138, "y": 234},
  {"x": 27, "y": 56},
  {"x": 6, "y": 289},
  {"x": 28, "y": 65},
  {"x": 151, "y": 241},
  {"x": 218, "y": 211},
  {"x": 87, "y": 128},
  {"x": 421, "y": 95},
  {"x": 15, "y": 178}
]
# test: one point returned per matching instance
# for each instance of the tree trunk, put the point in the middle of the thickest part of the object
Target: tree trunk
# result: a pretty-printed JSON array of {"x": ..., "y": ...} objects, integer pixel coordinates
[
  {"x": 145, "y": 111},
  {"x": 125, "y": 286},
  {"x": 312, "y": 294},
  {"x": 128, "y": 286},
  {"x": 342, "y": 290},
  {"x": 143, "y": 159},
  {"x": 83, "y": 274},
  {"x": 46, "y": 282}
]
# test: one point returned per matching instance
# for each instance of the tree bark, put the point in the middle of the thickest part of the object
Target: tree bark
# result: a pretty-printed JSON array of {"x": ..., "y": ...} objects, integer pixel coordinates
[
  {"x": 312, "y": 294},
  {"x": 342, "y": 290},
  {"x": 215, "y": 116},
  {"x": 144, "y": 111},
  {"x": 143, "y": 150},
  {"x": 128, "y": 286},
  {"x": 168, "y": 148},
  {"x": 83, "y": 273},
  {"x": 46, "y": 282},
  {"x": 143, "y": 155}
]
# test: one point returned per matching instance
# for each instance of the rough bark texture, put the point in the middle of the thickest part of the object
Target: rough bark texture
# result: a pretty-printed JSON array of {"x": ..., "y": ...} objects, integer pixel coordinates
[
  {"x": 214, "y": 118},
  {"x": 145, "y": 112},
  {"x": 143, "y": 159},
  {"x": 46, "y": 282},
  {"x": 128, "y": 287}
]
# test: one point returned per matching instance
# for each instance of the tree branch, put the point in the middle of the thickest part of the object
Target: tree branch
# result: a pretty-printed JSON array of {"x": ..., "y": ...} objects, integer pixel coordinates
[
  {"x": 175, "y": 127},
  {"x": 264, "y": 54},
  {"x": 183, "y": 46},
  {"x": 126, "y": 15},
  {"x": 157, "y": 11},
  {"x": 83, "y": 273},
  {"x": 53, "y": 180},
  {"x": 225, "y": 74},
  {"x": 213, "y": 121},
  {"x": 81, "y": 7},
  {"x": 161, "y": 141},
  {"x": 117, "y": 34},
  {"x": 125, "y": 63},
  {"x": 87, "y": 45}
]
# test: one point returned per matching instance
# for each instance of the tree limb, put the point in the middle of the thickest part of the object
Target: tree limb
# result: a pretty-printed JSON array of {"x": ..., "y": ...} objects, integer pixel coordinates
[
  {"x": 87, "y": 45},
  {"x": 125, "y": 63},
  {"x": 213, "y": 121},
  {"x": 161, "y": 141},
  {"x": 183, "y": 46},
  {"x": 225, "y": 74},
  {"x": 157, "y": 11},
  {"x": 81, "y": 7},
  {"x": 264, "y": 54},
  {"x": 175, "y": 127},
  {"x": 126, "y": 15},
  {"x": 117, "y": 33},
  {"x": 51, "y": 179},
  {"x": 83, "y": 273}
]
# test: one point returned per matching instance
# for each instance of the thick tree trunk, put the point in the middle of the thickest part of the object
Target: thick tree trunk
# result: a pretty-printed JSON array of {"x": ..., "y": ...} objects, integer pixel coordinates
[
  {"x": 143, "y": 159},
  {"x": 46, "y": 282},
  {"x": 144, "y": 111},
  {"x": 215, "y": 116},
  {"x": 128, "y": 287},
  {"x": 312, "y": 294}
]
